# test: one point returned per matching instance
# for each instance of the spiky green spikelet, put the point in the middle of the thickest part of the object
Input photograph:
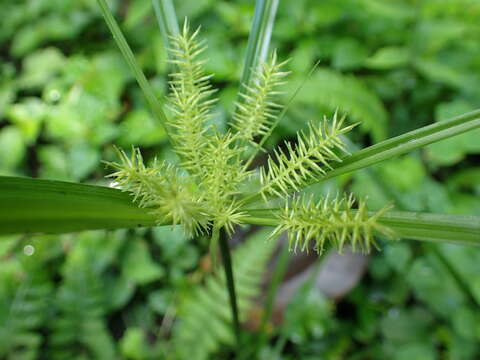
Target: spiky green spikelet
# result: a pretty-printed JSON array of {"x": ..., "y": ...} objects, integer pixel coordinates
[
  {"x": 309, "y": 160},
  {"x": 206, "y": 193},
  {"x": 190, "y": 100},
  {"x": 222, "y": 176},
  {"x": 162, "y": 189},
  {"x": 330, "y": 221},
  {"x": 257, "y": 109}
]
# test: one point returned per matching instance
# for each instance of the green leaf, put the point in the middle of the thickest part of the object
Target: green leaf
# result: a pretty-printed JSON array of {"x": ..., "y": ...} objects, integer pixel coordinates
[
  {"x": 259, "y": 38},
  {"x": 388, "y": 57},
  {"x": 28, "y": 116},
  {"x": 405, "y": 173},
  {"x": 138, "y": 265},
  {"x": 453, "y": 150},
  {"x": 40, "y": 67},
  {"x": 12, "y": 148},
  {"x": 166, "y": 18},
  {"x": 138, "y": 128},
  {"x": 33, "y": 205},
  {"x": 348, "y": 54},
  {"x": 133, "y": 344}
]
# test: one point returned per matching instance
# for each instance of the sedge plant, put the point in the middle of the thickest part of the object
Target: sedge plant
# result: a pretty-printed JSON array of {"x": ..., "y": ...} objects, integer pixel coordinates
[{"x": 213, "y": 188}]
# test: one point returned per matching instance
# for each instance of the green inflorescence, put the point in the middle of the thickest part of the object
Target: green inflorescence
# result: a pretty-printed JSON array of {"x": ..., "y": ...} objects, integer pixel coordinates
[
  {"x": 204, "y": 190},
  {"x": 330, "y": 221}
]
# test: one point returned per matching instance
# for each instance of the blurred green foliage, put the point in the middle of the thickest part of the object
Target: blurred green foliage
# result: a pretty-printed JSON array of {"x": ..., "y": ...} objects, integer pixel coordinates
[{"x": 66, "y": 95}]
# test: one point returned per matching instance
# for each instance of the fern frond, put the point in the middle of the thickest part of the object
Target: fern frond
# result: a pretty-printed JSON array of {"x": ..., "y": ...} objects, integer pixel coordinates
[
  {"x": 78, "y": 329},
  {"x": 330, "y": 221},
  {"x": 189, "y": 100},
  {"x": 351, "y": 95},
  {"x": 163, "y": 189},
  {"x": 308, "y": 160},
  {"x": 22, "y": 314},
  {"x": 209, "y": 303},
  {"x": 254, "y": 115}
]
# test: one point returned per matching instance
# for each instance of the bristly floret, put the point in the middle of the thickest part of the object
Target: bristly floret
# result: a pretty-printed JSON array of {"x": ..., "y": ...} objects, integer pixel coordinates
[
  {"x": 309, "y": 160},
  {"x": 222, "y": 176},
  {"x": 162, "y": 189},
  {"x": 205, "y": 197},
  {"x": 256, "y": 111},
  {"x": 190, "y": 100},
  {"x": 330, "y": 221}
]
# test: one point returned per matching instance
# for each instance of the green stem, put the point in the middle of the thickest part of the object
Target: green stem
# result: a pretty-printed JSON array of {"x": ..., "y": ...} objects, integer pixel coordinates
[
  {"x": 147, "y": 89},
  {"x": 220, "y": 236}
]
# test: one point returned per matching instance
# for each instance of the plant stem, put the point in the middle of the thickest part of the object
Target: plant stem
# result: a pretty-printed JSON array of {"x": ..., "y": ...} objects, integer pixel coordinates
[{"x": 221, "y": 236}]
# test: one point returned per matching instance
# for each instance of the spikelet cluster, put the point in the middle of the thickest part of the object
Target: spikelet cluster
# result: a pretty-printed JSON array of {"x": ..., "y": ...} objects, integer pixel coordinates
[
  {"x": 190, "y": 100},
  {"x": 206, "y": 193},
  {"x": 310, "y": 159},
  {"x": 222, "y": 176},
  {"x": 162, "y": 189},
  {"x": 330, "y": 221},
  {"x": 257, "y": 109}
]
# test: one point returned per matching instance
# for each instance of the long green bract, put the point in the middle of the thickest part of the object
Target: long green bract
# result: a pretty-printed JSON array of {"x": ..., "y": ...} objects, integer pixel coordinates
[
  {"x": 407, "y": 142},
  {"x": 34, "y": 205}
]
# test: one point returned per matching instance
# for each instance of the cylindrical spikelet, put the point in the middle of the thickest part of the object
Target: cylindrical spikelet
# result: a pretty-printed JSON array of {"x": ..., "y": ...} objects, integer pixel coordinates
[{"x": 331, "y": 222}]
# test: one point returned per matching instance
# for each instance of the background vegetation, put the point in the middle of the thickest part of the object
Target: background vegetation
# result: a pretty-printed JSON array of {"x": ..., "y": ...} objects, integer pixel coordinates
[{"x": 66, "y": 96}]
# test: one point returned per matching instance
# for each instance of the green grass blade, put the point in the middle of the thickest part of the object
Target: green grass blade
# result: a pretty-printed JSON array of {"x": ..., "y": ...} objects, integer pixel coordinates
[
  {"x": 259, "y": 38},
  {"x": 130, "y": 58},
  {"x": 441, "y": 228},
  {"x": 396, "y": 146},
  {"x": 434, "y": 227},
  {"x": 34, "y": 205},
  {"x": 166, "y": 18},
  {"x": 407, "y": 142}
]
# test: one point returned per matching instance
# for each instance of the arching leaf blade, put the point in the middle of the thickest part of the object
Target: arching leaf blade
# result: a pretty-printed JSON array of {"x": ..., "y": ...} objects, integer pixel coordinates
[
  {"x": 35, "y": 205},
  {"x": 406, "y": 142}
]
